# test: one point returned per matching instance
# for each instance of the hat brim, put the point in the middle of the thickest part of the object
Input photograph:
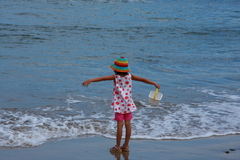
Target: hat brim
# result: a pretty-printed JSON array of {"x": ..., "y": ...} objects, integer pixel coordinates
[{"x": 119, "y": 69}]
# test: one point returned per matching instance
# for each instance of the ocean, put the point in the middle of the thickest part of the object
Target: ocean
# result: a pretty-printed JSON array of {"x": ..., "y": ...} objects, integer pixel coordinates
[{"x": 49, "y": 47}]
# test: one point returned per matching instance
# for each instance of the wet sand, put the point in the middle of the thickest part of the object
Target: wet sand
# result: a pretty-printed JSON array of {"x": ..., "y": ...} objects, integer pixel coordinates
[{"x": 97, "y": 148}]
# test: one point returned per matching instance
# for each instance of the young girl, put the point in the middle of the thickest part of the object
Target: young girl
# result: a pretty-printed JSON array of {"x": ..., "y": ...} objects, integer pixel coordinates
[{"x": 122, "y": 103}]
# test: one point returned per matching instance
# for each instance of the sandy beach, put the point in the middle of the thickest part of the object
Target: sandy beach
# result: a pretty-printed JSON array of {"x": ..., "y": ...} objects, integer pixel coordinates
[{"x": 91, "y": 148}]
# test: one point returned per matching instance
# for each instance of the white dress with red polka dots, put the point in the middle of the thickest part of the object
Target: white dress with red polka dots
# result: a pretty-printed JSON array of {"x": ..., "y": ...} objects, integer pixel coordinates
[{"x": 122, "y": 95}]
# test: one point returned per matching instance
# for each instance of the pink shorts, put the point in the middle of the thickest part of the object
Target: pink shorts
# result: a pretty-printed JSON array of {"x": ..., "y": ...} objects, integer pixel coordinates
[{"x": 122, "y": 117}]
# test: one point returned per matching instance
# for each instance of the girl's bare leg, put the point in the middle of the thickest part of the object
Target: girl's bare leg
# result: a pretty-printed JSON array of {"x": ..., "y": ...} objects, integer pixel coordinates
[
  {"x": 128, "y": 132},
  {"x": 119, "y": 133}
]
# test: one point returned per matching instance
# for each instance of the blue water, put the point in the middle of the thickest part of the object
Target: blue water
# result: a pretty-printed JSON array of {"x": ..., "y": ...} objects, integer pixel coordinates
[{"x": 49, "y": 47}]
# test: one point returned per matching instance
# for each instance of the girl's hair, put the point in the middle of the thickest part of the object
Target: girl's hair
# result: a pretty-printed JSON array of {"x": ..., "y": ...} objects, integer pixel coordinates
[{"x": 118, "y": 73}]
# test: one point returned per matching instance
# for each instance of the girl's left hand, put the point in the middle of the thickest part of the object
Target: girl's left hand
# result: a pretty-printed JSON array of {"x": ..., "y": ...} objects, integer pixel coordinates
[{"x": 86, "y": 83}]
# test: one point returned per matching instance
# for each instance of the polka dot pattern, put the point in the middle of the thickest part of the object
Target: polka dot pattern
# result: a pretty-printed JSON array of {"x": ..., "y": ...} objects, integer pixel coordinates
[{"x": 122, "y": 95}]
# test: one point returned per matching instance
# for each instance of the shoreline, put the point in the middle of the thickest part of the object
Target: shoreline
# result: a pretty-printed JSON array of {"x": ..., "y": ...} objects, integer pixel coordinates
[{"x": 89, "y": 148}]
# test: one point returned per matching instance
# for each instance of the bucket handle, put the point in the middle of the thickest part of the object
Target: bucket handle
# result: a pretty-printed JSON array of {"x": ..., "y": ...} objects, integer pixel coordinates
[{"x": 155, "y": 94}]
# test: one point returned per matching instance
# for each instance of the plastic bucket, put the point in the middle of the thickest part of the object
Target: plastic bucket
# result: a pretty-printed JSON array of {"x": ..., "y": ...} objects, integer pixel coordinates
[{"x": 155, "y": 97}]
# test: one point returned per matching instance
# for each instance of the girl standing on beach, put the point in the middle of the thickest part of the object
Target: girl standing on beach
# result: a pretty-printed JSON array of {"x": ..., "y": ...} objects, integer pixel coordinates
[{"x": 122, "y": 103}]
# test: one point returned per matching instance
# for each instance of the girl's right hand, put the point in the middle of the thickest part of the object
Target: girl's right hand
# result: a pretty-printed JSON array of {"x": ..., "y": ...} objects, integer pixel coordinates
[{"x": 157, "y": 86}]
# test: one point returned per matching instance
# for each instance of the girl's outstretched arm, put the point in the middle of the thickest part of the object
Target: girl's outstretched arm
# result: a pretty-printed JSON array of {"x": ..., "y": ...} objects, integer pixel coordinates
[
  {"x": 98, "y": 79},
  {"x": 136, "y": 78}
]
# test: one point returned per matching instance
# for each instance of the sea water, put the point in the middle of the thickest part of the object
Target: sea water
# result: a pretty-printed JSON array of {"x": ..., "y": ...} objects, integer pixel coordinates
[{"x": 49, "y": 47}]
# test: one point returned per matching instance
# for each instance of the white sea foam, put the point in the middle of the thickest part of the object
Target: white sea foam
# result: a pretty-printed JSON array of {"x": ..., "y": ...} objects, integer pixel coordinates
[
  {"x": 189, "y": 122},
  {"x": 33, "y": 127},
  {"x": 72, "y": 100},
  {"x": 25, "y": 130},
  {"x": 222, "y": 94}
]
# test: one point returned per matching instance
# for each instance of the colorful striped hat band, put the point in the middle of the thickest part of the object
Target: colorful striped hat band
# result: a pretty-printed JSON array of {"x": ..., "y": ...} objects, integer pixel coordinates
[{"x": 120, "y": 65}]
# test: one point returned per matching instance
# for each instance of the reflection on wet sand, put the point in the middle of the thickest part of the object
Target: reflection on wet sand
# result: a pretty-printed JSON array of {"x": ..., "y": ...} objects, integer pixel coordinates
[{"x": 118, "y": 155}]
